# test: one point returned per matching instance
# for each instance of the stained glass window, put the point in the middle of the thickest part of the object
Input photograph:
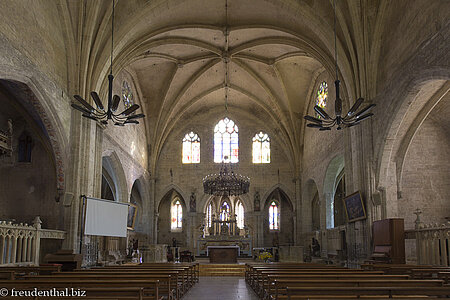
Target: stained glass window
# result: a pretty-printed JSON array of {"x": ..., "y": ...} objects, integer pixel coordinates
[
  {"x": 209, "y": 215},
  {"x": 261, "y": 148},
  {"x": 226, "y": 142},
  {"x": 191, "y": 148},
  {"x": 127, "y": 95},
  {"x": 240, "y": 215},
  {"x": 177, "y": 215},
  {"x": 322, "y": 96},
  {"x": 225, "y": 212},
  {"x": 274, "y": 216}
]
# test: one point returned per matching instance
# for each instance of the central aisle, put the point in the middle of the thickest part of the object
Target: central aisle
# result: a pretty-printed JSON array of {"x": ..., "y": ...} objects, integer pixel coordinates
[{"x": 221, "y": 288}]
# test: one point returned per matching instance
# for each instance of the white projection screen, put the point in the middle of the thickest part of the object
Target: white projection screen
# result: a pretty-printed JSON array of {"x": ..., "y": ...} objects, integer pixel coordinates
[{"x": 105, "y": 218}]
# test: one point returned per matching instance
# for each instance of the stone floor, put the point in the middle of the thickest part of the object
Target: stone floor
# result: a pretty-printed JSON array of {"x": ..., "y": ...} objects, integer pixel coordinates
[{"x": 221, "y": 288}]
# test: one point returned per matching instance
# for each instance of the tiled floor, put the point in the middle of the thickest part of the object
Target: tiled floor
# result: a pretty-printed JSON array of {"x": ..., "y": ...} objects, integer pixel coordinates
[{"x": 221, "y": 288}]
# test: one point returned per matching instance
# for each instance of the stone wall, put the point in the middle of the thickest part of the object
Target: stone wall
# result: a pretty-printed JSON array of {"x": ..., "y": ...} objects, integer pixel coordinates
[{"x": 426, "y": 176}]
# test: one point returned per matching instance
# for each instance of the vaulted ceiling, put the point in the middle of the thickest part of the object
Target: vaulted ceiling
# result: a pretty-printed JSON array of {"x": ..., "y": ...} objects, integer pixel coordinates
[{"x": 175, "y": 51}]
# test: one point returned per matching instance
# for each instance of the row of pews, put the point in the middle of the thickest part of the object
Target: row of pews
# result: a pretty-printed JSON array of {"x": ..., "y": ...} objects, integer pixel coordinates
[
  {"x": 148, "y": 281},
  {"x": 315, "y": 281}
]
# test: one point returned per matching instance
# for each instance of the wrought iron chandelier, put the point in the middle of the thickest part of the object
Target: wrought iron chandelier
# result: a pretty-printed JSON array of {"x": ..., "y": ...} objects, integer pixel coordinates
[
  {"x": 226, "y": 183},
  {"x": 352, "y": 118},
  {"x": 99, "y": 114}
]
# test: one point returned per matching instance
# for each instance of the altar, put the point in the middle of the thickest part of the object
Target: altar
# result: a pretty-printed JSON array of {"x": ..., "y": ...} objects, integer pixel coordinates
[{"x": 223, "y": 254}]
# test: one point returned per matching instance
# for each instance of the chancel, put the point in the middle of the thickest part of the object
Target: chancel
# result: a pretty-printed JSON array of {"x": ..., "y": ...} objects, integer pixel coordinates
[{"x": 253, "y": 149}]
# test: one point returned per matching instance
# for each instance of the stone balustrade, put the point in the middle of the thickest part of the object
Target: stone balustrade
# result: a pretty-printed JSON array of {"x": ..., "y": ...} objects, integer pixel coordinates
[
  {"x": 20, "y": 243},
  {"x": 432, "y": 244}
]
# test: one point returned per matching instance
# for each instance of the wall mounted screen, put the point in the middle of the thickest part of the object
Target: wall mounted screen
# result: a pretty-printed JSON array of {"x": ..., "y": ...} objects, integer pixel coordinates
[{"x": 105, "y": 218}]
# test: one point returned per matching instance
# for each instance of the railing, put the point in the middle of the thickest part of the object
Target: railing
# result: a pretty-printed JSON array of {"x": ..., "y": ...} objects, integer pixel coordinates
[
  {"x": 20, "y": 243},
  {"x": 432, "y": 242}
]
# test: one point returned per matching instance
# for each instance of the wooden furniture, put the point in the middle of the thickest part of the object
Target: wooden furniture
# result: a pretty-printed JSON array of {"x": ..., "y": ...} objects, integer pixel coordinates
[
  {"x": 389, "y": 241},
  {"x": 222, "y": 255},
  {"x": 66, "y": 258}
]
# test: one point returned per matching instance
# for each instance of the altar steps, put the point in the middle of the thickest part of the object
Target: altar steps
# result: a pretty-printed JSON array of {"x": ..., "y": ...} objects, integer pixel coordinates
[{"x": 213, "y": 270}]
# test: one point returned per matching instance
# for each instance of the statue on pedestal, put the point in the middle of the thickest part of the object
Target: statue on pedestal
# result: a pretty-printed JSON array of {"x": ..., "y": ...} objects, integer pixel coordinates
[
  {"x": 192, "y": 202},
  {"x": 257, "y": 202}
]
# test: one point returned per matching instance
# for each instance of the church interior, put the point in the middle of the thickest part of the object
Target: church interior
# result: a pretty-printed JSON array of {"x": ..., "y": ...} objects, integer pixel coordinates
[{"x": 228, "y": 138}]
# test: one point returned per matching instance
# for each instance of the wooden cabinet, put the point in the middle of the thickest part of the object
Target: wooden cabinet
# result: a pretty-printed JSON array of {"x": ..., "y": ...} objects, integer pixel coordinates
[{"x": 390, "y": 234}]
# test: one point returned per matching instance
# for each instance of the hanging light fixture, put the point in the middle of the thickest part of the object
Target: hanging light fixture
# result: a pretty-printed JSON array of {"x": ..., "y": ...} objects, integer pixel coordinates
[
  {"x": 352, "y": 118},
  {"x": 226, "y": 183},
  {"x": 99, "y": 114}
]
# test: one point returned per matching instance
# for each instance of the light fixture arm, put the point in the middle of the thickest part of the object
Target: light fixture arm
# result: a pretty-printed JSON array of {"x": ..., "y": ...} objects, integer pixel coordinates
[
  {"x": 352, "y": 117},
  {"x": 99, "y": 114}
]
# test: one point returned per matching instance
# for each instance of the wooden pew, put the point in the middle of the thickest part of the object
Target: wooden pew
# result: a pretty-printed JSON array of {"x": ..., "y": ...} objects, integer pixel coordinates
[
  {"x": 256, "y": 280},
  {"x": 428, "y": 273},
  {"x": 8, "y": 275},
  {"x": 282, "y": 286},
  {"x": 269, "y": 281},
  {"x": 165, "y": 282},
  {"x": 185, "y": 280},
  {"x": 42, "y": 270},
  {"x": 111, "y": 293},
  {"x": 191, "y": 274},
  {"x": 150, "y": 287},
  {"x": 358, "y": 292}
]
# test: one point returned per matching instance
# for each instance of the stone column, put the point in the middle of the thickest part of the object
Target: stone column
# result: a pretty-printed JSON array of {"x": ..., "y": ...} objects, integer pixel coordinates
[
  {"x": 83, "y": 174},
  {"x": 37, "y": 240}
]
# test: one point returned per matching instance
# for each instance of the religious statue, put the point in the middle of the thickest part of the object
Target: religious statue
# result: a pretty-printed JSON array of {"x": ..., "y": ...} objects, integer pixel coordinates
[
  {"x": 257, "y": 202},
  {"x": 192, "y": 202},
  {"x": 247, "y": 231},
  {"x": 202, "y": 231}
]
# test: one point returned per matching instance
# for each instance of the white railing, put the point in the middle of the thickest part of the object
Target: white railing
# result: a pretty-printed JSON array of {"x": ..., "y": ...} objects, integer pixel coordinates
[
  {"x": 432, "y": 242},
  {"x": 20, "y": 243}
]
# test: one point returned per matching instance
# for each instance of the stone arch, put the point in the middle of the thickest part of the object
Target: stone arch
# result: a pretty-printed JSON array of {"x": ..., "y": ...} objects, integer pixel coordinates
[
  {"x": 30, "y": 94},
  {"x": 309, "y": 194},
  {"x": 424, "y": 90},
  {"x": 164, "y": 231},
  {"x": 112, "y": 164},
  {"x": 283, "y": 188},
  {"x": 136, "y": 198},
  {"x": 335, "y": 167},
  {"x": 169, "y": 188}
]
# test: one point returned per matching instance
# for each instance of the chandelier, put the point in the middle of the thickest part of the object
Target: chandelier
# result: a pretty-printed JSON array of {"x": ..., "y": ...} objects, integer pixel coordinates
[
  {"x": 99, "y": 114},
  {"x": 352, "y": 118},
  {"x": 226, "y": 183}
]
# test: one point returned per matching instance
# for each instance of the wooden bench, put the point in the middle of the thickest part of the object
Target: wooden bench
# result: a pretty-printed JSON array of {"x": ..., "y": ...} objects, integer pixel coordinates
[
  {"x": 184, "y": 278},
  {"x": 358, "y": 292},
  {"x": 167, "y": 289},
  {"x": 189, "y": 270},
  {"x": 150, "y": 287},
  {"x": 111, "y": 293},
  {"x": 281, "y": 286},
  {"x": 269, "y": 282},
  {"x": 42, "y": 270},
  {"x": 256, "y": 280}
]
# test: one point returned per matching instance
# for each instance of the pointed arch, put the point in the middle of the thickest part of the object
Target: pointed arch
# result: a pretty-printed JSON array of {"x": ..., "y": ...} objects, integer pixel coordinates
[
  {"x": 335, "y": 167},
  {"x": 112, "y": 164}
]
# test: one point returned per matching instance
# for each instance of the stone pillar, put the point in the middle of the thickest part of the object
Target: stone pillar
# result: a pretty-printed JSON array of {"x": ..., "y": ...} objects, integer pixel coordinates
[
  {"x": 297, "y": 213},
  {"x": 37, "y": 240},
  {"x": 83, "y": 175}
]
